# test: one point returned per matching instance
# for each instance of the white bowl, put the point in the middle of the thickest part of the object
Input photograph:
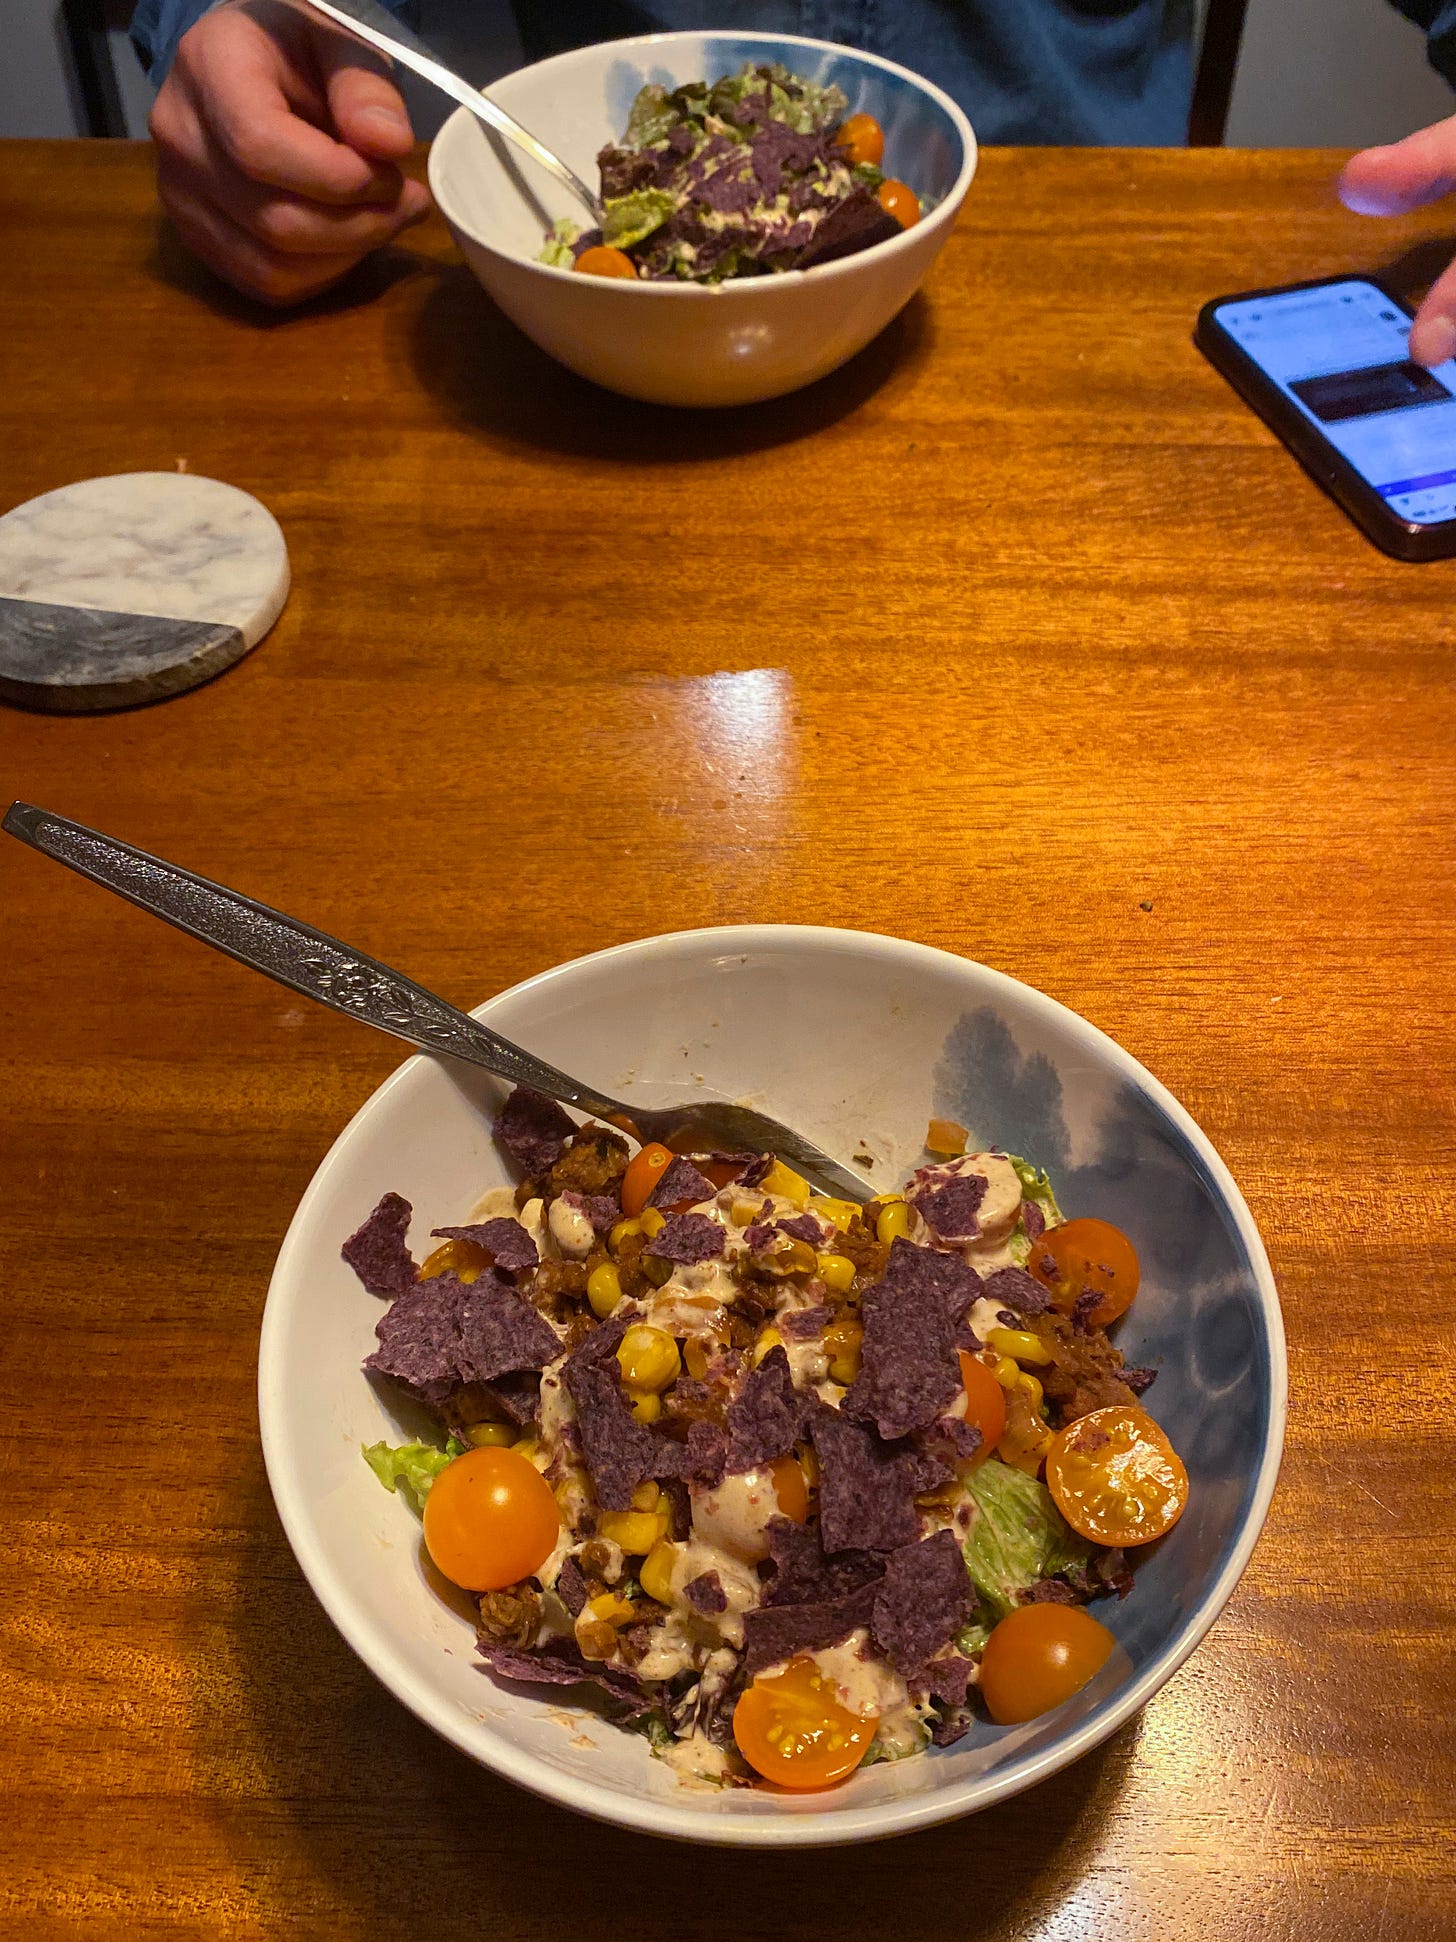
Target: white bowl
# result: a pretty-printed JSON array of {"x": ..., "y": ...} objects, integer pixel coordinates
[
  {"x": 846, "y": 1036},
  {"x": 681, "y": 343}
]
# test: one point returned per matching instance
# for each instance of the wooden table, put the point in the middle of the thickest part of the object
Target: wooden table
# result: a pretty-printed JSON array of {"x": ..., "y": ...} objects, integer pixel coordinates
[{"x": 1069, "y": 669}]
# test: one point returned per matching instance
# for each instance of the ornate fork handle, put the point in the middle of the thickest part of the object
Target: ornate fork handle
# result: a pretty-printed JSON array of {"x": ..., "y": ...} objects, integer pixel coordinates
[{"x": 294, "y": 954}]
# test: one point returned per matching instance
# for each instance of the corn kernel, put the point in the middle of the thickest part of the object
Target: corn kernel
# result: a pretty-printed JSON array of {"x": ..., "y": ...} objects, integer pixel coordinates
[
  {"x": 1032, "y": 1389},
  {"x": 603, "y": 1289},
  {"x": 648, "y": 1357},
  {"x": 611, "y": 1607},
  {"x": 528, "y": 1447},
  {"x": 893, "y": 1223},
  {"x": 697, "y": 1353},
  {"x": 635, "y": 1530},
  {"x": 497, "y": 1436},
  {"x": 807, "y": 1458},
  {"x": 843, "y": 1340},
  {"x": 1019, "y": 1343},
  {"x": 655, "y": 1577},
  {"x": 652, "y": 1220},
  {"x": 836, "y": 1271},
  {"x": 1006, "y": 1372},
  {"x": 620, "y": 1232},
  {"x": 645, "y": 1406},
  {"x": 841, "y": 1212},
  {"x": 785, "y": 1182},
  {"x": 742, "y": 1212},
  {"x": 768, "y": 1339}
]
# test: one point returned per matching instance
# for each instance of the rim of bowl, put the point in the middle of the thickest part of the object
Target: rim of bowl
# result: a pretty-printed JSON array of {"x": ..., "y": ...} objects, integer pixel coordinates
[
  {"x": 734, "y": 288},
  {"x": 724, "y": 1828}
]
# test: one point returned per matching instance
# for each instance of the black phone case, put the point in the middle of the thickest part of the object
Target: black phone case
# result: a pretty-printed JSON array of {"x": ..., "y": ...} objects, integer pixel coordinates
[{"x": 1400, "y": 538}]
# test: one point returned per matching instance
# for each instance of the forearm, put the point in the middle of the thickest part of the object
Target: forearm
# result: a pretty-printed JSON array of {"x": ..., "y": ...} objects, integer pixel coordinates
[{"x": 1438, "y": 17}]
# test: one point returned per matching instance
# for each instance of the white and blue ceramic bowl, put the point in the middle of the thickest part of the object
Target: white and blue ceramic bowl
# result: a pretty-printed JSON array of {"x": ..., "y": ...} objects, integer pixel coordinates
[
  {"x": 851, "y": 1038},
  {"x": 681, "y": 344}
]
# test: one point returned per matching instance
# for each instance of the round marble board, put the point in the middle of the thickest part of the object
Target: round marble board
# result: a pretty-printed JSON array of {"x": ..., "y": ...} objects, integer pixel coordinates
[{"x": 124, "y": 590}]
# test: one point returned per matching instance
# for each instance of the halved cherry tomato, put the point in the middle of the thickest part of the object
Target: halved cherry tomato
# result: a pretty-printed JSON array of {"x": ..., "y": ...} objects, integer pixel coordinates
[
  {"x": 1038, "y": 1656},
  {"x": 791, "y": 1728},
  {"x": 490, "y": 1519},
  {"x": 1087, "y": 1254},
  {"x": 899, "y": 200},
  {"x": 790, "y": 1489},
  {"x": 467, "y": 1259},
  {"x": 644, "y": 1170},
  {"x": 1116, "y": 1478},
  {"x": 603, "y": 260},
  {"x": 860, "y": 139},
  {"x": 985, "y": 1402}
]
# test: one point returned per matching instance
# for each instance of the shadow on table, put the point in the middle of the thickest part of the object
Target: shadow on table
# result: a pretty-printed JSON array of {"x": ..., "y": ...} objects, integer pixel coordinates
[
  {"x": 322, "y": 1785},
  {"x": 1413, "y": 272},
  {"x": 172, "y": 263},
  {"x": 490, "y": 378}
]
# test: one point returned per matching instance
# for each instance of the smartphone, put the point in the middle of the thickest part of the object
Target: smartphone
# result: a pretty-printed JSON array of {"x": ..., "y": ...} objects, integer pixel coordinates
[{"x": 1327, "y": 367}]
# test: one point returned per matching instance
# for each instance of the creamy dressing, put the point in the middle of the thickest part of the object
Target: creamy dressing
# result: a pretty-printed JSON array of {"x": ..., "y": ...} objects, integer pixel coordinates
[
  {"x": 733, "y": 1516},
  {"x": 572, "y": 1232},
  {"x": 861, "y": 1685}
]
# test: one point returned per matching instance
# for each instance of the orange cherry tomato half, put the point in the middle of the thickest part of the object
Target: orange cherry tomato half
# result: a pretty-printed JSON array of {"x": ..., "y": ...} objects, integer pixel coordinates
[
  {"x": 1038, "y": 1656},
  {"x": 603, "y": 260},
  {"x": 644, "y": 1170},
  {"x": 861, "y": 139},
  {"x": 985, "y": 1402},
  {"x": 791, "y": 1728},
  {"x": 899, "y": 200},
  {"x": 490, "y": 1520},
  {"x": 466, "y": 1259},
  {"x": 1116, "y": 1478},
  {"x": 1083, "y": 1254},
  {"x": 790, "y": 1489}
]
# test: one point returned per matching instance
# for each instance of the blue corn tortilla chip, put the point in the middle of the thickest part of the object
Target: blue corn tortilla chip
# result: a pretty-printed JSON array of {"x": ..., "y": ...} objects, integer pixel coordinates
[
  {"x": 952, "y": 1207},
  {"x": 767, "y": 1416},
  {"x": 558, "y": 1663},
  {"x": 1049, "y": 1591},
  {"x": 705, "y": 1593},
  {"x": 1033, "y": 1220},
  {"x": 510, "y": 1247},
  {"x": 377, "y": 1251},
  {"x": 947, "y": 1679},
  {"x": 1139, "y": 1381},
  {"x": 758, "y": 1168},
  {"x": 681, "y": 1182},
  {"x": 952, "y": 1439},
  {"x": 922, "y": 1601},
  {"x": 571, "y": 1586},
  {"x": 534, "y": 1130},
  {"x": 852, "y": 225},
  {"x": 804, "y": 1574},
  {"x": 600, "y": 1209},
  {"x": 699, "y": 1456},
  {"x": 803, "y": 1324},
  {"x": 803, "y": 1227},
  {"x": 1015, "y": 1289},
  {"x": 442, "y": 1332},
  {"x": 908, "y": 1368},
  {"x": 773, "y": 1633},
  {"x": 686, "y": 1239},
  {"x": 618, "y": 1451},
  {"x": 758, "y": 1236},
  {"x": 867, "y": 1487}
]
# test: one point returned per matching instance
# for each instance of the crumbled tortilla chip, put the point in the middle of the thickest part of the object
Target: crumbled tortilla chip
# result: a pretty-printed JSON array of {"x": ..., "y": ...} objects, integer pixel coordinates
[
  {"x": 377, "y": 1251},
  {"x": 534, "y": 1130}
]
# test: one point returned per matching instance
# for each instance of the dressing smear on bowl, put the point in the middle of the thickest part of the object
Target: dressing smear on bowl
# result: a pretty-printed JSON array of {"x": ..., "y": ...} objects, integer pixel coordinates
[
  {"x": 793, "y": 1486},
  {"x": 758, "y": 173}
]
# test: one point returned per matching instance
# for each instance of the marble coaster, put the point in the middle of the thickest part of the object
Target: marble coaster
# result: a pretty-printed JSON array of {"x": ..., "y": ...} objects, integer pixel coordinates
[{"x": 124, "y": 590}]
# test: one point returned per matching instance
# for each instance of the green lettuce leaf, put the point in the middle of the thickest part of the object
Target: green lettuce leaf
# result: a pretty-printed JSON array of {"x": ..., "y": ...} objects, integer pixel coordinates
[
  {"x": 409, "y": 1468},
  {"x": 1018, "y": 1537},
  {"x": 627, "y": 219},
  {"x": 558, "y": 251},
  {"x": 1036, "y": 1185},
  {"x": 652, "y": 119}
]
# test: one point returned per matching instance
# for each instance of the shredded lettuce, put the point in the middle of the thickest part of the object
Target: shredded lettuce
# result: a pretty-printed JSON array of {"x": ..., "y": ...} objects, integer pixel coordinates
[
  {"x": 1018, "y": 1537},
  {"x": 410, "y": 1468},
  {"x": 628, "y": 219},
  {"x": 1035, "y": 1185},
  {"x": 652, "y": 119},
  {"x": 558, "y": 251}
]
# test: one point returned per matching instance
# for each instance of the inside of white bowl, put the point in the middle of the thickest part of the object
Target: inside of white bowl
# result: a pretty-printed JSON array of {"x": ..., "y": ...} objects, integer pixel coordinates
[
  {"x": 578, "y": 102},
  {"x": 858, "y": 1040}
]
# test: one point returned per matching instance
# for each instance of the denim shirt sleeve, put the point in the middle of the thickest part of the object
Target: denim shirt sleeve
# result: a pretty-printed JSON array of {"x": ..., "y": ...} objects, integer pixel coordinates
[
  {"x": 1438, "y": 17},
  {"x": 158, "y": 25}
]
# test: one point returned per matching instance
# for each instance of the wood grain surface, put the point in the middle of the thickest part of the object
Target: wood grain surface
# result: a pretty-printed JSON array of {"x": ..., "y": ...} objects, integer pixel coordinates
[{"x": 1015, "y": 627}]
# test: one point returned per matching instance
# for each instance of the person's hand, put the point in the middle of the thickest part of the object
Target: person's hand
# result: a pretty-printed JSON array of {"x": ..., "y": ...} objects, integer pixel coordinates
[
  {"x": 1394, "y": 180},
  {"x": 278, "y": 150}
]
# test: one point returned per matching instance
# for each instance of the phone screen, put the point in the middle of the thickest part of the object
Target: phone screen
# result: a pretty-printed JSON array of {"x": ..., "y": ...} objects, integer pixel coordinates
[{"x": 1338, "y": 352}]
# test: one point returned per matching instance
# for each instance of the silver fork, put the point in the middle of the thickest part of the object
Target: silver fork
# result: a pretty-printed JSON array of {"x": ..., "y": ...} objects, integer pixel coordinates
[{"x": 320, "y": 967}]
